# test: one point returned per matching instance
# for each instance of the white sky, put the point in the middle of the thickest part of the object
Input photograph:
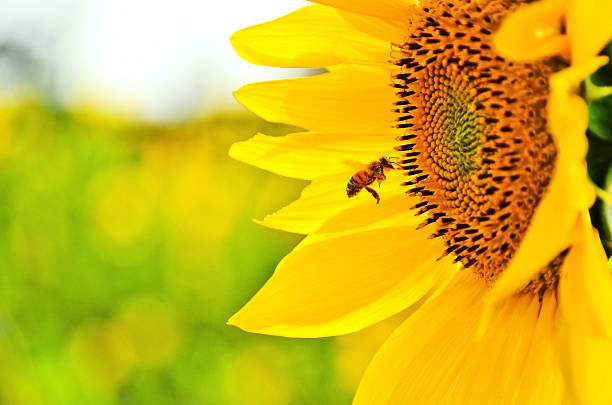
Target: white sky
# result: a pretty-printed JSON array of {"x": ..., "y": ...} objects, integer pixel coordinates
[{"x": 167, "y": 59}]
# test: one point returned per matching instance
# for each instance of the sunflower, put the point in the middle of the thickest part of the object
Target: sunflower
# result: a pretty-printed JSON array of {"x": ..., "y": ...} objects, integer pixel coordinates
[{"x": 482, "y": 227}]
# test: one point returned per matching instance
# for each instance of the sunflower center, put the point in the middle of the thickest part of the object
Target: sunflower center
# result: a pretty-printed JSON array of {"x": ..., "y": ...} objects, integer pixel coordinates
[{"x": 476, "y": 143}]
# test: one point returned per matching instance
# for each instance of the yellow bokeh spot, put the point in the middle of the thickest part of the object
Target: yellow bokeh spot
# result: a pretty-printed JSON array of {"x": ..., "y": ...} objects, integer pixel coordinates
[
  {"x": 18, "y": 383},
  {"x": 123, "y": 205},
  {"x": 200, "y": 204},
  {"x": 97, "y": 109},
  {"x": 153, "y": 328},
  {"x": 7, "y": 111},
  {"x": 211, "y": 285},
  {"x": 102, "y": 355},
  {"x": 259, "y": 375}
]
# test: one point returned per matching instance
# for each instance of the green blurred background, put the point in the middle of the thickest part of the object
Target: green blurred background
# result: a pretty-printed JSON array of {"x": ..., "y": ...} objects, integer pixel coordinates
[{"x": 124, "y": 248}]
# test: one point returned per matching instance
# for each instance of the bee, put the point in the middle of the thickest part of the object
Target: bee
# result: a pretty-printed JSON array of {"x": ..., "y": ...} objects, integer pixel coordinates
[{"x": 363, "y": 178}]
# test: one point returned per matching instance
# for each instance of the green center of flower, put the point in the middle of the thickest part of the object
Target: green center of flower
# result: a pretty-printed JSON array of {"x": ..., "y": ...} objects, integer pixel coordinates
[
  {"x": 458, "y": 135},
  {"x": 477, "y": 147}
]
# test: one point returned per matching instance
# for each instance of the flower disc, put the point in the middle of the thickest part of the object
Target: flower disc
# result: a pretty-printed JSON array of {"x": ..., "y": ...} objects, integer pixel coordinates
[{"x": 477, "y": 145}]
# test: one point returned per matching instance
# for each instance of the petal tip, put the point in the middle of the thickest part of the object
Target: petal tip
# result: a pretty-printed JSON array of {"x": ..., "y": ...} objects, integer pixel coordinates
[
  {"x": 240, "y": 96},
  {"x": 234, "y": 150},
  {"x": 237, "y": 42},
  {"x": 237, "y": 320},
  {"x": 232, "y": 321},
  {"x": 259, "y": 221}
]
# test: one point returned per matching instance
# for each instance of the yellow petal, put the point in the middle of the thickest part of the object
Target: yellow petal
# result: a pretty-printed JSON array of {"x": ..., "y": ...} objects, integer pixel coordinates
[
  {"x": 363, "y": 213},
  {"x": 345, "y": 283},
  {"x": 434, "y": 357},
  {"x": 349, "y": 99},
  {"x": 585, "y": 289},
  {"x": 589, "y": 27},
  {"x": 533, "y": 32},
  {"x": 524, "y": 360},
  {"x": 386, "y": 9},
  {"x": 568, "y": 112},
  {"x": 309, "y": 155},
  {"x": 311, "y": 37},
  {"x": 541, "y": 379},
  {"x": 390, "y": 31},
  {"x": 487, "y": 354},
  {"x": 428, "y": 347},
  {"x": 323, "y": 207},
  {"x": 585, "y": 361},
  {"x": 319, "y": 201}
]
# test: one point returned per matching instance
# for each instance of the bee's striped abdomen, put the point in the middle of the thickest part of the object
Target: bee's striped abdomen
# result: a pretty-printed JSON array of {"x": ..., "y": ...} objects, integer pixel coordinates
[{"x": 357, "y": 183}]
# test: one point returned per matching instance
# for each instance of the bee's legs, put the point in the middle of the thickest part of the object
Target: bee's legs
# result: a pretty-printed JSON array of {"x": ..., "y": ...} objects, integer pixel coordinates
[{"x": 374, "y": 194}]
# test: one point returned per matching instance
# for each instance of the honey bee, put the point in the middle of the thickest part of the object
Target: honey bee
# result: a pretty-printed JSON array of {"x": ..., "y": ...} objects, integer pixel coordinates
[{"x": 363, "y": 178}]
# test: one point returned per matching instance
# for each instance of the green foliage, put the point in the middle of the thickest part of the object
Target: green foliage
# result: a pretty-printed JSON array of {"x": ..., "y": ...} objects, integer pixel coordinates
[
  {"x": 599, "y": 158},
  {"x": 600, "y": 117},
  {"x": 123, "y": 250},
  {"x": 606, "y": 215},
  {"x": 599, "y": 164},
  {"x": 603, "y": 76}
]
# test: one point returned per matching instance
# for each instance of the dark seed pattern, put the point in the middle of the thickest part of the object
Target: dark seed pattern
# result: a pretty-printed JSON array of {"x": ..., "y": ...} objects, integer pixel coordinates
[{"x": 476, "y": 146}]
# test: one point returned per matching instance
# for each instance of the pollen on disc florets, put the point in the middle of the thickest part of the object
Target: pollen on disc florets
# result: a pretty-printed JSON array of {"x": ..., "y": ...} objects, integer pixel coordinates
[{"x": 477, "y": 148}]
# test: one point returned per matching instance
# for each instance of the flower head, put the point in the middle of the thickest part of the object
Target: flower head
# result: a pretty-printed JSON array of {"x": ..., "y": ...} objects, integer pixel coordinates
[{"x": 483, "y": 207}]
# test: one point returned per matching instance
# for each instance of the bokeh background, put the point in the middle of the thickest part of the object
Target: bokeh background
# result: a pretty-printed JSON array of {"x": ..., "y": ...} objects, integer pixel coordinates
[{"x": 126, "y": 233}]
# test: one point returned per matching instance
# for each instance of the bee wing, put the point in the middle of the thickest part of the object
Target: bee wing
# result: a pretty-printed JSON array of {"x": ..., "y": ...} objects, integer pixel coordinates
[{"x": 355, "y": 165}]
